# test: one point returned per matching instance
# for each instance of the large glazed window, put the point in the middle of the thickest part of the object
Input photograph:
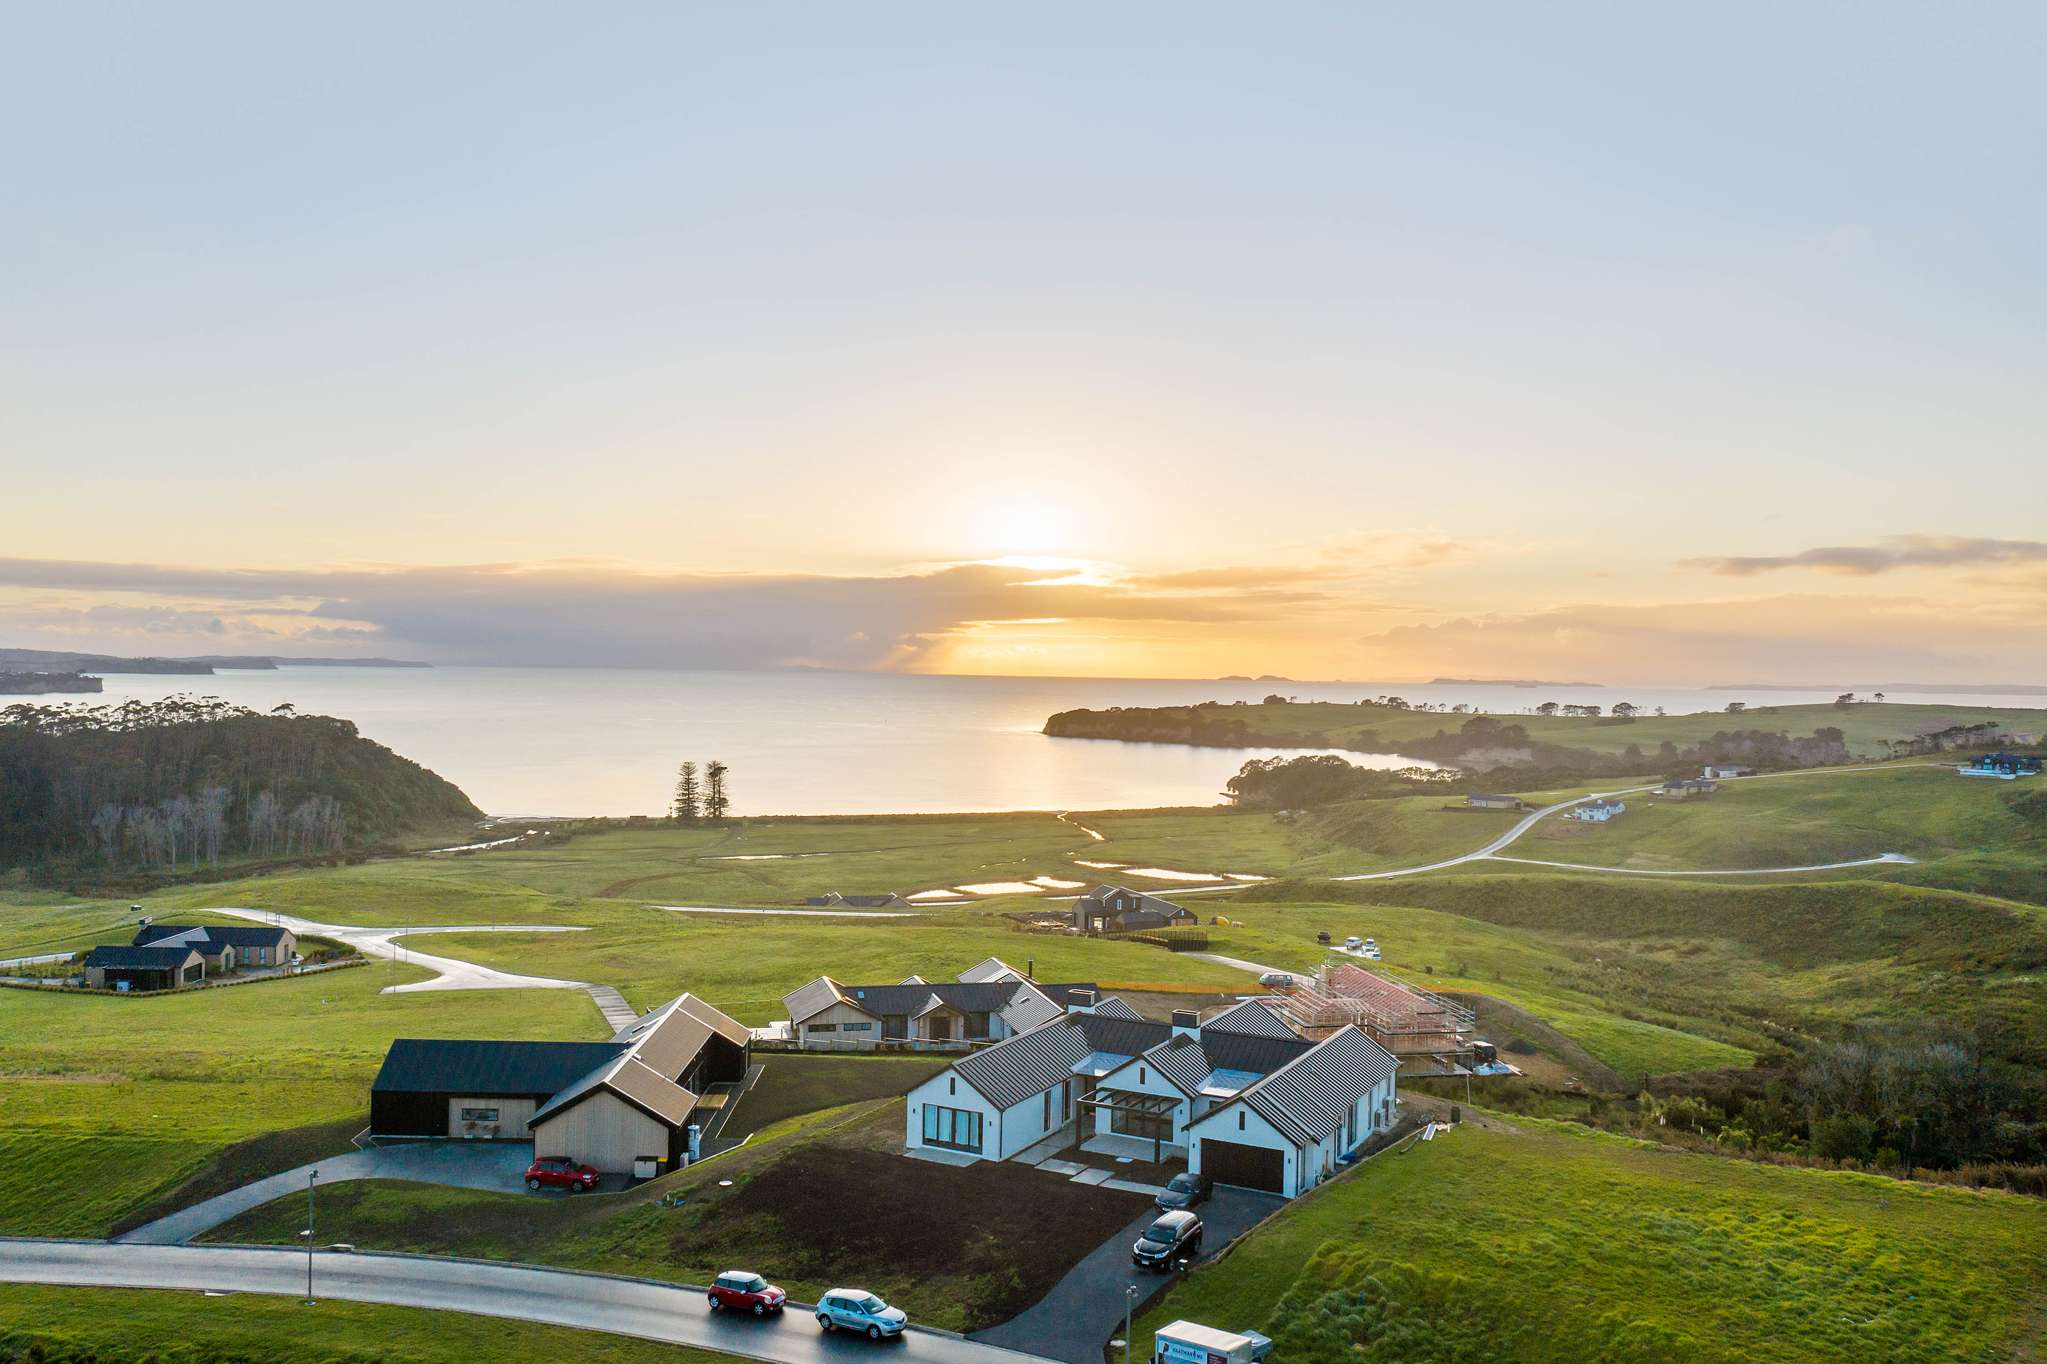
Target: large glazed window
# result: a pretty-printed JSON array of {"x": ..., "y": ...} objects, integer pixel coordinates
[{"x": 955, "y": 1128}]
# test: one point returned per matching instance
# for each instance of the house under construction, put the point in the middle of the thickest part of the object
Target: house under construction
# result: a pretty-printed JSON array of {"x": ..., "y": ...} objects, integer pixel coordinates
[{"x": 1430, "y": 1035}]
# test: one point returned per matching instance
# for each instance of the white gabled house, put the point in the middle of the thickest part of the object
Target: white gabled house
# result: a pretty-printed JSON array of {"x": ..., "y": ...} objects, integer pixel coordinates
[
  {"x": 1103, "y": 1077},
  {"x": 989, "y": 1001}
]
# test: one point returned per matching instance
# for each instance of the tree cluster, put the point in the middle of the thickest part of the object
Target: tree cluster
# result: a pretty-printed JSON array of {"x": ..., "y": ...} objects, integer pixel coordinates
[
  {"x": 185, "y": 782},
  {"x": 699, "y": 800}
]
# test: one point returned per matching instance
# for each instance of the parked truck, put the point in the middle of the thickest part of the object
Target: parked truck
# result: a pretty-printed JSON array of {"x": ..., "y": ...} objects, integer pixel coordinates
[{"x": 1189, "y": 1342}]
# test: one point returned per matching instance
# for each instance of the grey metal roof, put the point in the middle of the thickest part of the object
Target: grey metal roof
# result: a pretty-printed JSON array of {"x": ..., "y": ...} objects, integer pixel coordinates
[
  {"x": 806, "y": 1001},
  {"x": 201, "y": 935},
  {"x": 441, "y": 1066},
  {"x": 1253, "y": 1017},
  {"x": 1113, "y": 1007},
  {"x": 1309, "y": 1096},
  {"x": 1180, "y": 1060},
  {"x": 147, "y": 958},
  {"x": 1029, "y": 1063}
]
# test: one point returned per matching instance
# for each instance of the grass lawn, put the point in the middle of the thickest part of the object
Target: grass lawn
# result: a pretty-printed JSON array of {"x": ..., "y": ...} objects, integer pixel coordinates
[
  {"x": 130, "y": 1326},
  {"x": 111, "y": 1103},
  {"x": 791, "y": 1085},
  {"x": 826, "y": 1202},
  {"x": 1780, "y": 821},
  {"x": 1553, "y": 1243}
]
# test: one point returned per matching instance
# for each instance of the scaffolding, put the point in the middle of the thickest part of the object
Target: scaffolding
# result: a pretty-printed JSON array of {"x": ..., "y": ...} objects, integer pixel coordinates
[{"x": 1427, "y": 1032}]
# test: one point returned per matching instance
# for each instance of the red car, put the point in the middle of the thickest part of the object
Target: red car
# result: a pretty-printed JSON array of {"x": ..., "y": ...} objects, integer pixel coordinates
[
  {"x": 742, "y": 1290},
  {"x": 559, "y": 1172}
]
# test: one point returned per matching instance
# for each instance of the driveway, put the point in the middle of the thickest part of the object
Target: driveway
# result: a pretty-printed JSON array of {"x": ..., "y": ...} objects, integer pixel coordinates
[
  {"x": 464, "y": 1164},
  {"x": 1085, "y": 1308},
  {"x": 593, "y": 1302}
]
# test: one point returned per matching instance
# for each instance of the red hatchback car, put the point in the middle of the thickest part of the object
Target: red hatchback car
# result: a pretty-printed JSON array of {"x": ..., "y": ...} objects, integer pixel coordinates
[
  {"x": 559, "y": 1172},
  {"x": 742, "y": 1290}
]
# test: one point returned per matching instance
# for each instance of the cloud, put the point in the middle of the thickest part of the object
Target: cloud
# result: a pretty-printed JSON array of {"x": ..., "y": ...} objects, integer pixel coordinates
[
  {"x": 1791, "y": 638},
  {"x": 591, "y": 613},
  {"x": 1893, "y": 552}
]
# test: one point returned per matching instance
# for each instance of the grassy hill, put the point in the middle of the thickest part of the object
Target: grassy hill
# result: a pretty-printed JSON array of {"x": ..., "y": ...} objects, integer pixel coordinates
[
  {"x": 1540, "y": 1243},
  {"x": 1867, "y": 730}
]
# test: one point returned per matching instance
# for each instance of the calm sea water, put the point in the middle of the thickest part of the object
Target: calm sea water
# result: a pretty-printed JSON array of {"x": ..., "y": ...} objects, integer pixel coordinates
[{"x": 599, "y": 741}]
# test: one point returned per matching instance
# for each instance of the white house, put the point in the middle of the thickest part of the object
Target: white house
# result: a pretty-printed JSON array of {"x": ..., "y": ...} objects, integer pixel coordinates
[
  {"x": 1598, "y": 811},
  {"x": 990, "y": 1001},
  {"x": 1105, "y": 1078},
  {"x": 1284, "y": 1132}
]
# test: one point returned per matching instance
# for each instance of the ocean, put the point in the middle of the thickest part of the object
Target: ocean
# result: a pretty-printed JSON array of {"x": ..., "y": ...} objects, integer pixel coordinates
[{"x": 606, "y": 741}]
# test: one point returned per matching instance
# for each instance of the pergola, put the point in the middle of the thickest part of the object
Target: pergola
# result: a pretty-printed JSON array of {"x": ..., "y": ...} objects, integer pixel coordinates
[{"x": 1143, "y": 1105}]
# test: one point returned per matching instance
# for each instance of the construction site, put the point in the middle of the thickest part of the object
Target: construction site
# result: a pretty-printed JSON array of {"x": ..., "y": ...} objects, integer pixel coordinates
[{"x": 1430, "y": 1034}]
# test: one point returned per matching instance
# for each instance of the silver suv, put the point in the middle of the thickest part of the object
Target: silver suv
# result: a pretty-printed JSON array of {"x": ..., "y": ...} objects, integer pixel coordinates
[{"x": 856, "y": 1309}]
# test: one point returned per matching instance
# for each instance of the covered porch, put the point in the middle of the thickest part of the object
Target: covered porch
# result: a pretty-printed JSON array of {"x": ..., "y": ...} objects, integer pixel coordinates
[{"x": 1140, "y": 1126}]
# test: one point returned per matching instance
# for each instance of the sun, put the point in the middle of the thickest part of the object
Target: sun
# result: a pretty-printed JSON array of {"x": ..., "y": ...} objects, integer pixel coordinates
[{"x": 1005, "y": 524}]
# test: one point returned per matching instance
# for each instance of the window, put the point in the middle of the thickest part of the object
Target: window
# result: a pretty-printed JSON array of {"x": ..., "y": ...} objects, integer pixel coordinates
[
  {"x": 952, "y": 1127},
  {"x": 952, "y": 1084},
  {"x": 1140, "y": 1075},
  {"x": 479, "y": 1115},
  {"x": 859, "y": 1027},
  {"x": 1240, "y": 1120},
  {"x": 822, "y": 1027}
]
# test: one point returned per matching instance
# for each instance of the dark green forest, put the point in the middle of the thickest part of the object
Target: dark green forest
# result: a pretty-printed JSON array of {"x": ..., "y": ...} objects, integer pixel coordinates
[{"x": 186, "y": 782}]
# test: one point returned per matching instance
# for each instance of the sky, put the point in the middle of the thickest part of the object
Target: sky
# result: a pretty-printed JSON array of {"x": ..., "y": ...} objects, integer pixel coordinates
[{"x": 1605, "y": 342}]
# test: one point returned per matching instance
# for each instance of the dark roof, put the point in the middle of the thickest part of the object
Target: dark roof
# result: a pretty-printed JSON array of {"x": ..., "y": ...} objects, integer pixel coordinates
[
  {"x": 438, "y": 1066},
  {"x": 1308, "y": 1098},
  {"x": 985, "y": 997},
  {"x": 150, "y": 958},
  {"x": 1014, "y": 1069},
  {"x": 233, "y": 935},
  {"x": 1252, "y": 1016},
  {"x": 1098, "y": 900}
]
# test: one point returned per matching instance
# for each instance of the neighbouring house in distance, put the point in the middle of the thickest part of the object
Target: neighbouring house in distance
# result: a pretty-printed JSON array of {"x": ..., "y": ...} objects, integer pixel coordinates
[
  {"x": 143, "y": 968},
  {"x": 831, "y": 899},
  {"x": 1687, "y": 788},
  {"x": 226, "y": 947},
  {"x": 1714, "y": 771},
  {"x": 1477, "y": 802},
  {"x": 1597, "y": 811},
  {"x": 623, "y": 1106},
  {"x": 1241, "y": 1097},
  {"x": 1113, "y": 909},
  {"x": 2005, "y": 766},
  {"x": 989, "y": 1001}
]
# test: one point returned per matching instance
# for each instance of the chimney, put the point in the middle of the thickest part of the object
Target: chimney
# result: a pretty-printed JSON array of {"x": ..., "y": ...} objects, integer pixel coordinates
[
  {"x": 1080, "y": 1001},
  {"x": 1186, "y": 1023},
  {"x": 1030, "y": 968}
]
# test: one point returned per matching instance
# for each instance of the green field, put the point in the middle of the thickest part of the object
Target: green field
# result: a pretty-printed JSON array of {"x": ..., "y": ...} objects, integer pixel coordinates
[
  {"x": 126, "y": 1326},
  {"x": 1925, "y": 812},
  {"x": 111, "y": 1102},
  {"x": 1324, "y": 724},
  {"x": 1551, "y": 1243}
]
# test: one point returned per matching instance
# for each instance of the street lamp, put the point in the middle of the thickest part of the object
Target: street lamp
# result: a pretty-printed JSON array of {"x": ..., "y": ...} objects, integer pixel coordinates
[
  {"x": 311, "y": 1175},
  {"x": 1129, "y": 1302}
]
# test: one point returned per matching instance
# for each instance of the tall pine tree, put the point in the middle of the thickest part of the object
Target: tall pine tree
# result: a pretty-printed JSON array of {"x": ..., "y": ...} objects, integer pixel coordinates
[
  {"x": 688, "y": 805},
  {"x": 716, "y": 801}
]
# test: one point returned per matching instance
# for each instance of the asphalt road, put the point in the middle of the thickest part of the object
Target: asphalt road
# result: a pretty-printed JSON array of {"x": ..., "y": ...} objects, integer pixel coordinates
[
  {"x": 1085, "y": 1308},
  {"x": 558, "y": 1297}
]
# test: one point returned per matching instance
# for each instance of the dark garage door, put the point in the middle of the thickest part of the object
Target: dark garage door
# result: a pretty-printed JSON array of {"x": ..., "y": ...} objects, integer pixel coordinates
[{"x": 1250, "y": 1167}]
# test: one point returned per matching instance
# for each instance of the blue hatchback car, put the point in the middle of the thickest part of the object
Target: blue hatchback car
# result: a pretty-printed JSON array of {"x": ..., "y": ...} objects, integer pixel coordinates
[{"x": 856, "y": 1309}]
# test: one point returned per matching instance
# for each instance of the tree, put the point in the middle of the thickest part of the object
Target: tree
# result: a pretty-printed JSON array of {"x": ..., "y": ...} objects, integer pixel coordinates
[
  {"x": 688, "y": 805},
  {"x": 1879, "y": 698},
  {"x": 1844, "y": 700},
  {"x": 1546, "y": 708},
  {"x": 1625, "y": 709},
  {"x": 716, "y": 799},
  {"x": 1736, "y": 707}
]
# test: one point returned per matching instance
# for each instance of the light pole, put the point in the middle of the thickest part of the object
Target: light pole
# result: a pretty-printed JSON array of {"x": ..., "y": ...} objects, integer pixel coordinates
[
  {"x": 1129, "y": 1302},
  {"x": 311, "y": 1175}
]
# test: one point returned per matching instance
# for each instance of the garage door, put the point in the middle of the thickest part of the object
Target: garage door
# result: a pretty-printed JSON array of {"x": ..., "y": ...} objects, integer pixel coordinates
[{"x": 1250, "y": 1167}]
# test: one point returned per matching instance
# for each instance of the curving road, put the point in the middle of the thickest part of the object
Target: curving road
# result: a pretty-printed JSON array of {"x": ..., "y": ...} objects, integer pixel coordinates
[{"x": 671, "y": 1313}]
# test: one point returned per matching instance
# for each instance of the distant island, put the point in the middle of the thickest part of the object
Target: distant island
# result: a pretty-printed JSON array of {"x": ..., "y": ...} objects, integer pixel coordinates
[
  {"x": 1901, "y": 688},
  {"x": 56, "y": 661},
  {"x": 1504, "y": 682},
  {"x": 46, "y": 684}
]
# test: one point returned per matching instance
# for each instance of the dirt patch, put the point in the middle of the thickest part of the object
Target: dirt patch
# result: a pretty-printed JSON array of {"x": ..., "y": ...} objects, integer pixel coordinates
[
  {"x": 1158, "y": 1006},
  {"x": 1137, "y": 1171},
  {"x": 1554, "y": 1058},
  {"x": 793, "y": 1085},
  {"x": 833, "y": 1213}
]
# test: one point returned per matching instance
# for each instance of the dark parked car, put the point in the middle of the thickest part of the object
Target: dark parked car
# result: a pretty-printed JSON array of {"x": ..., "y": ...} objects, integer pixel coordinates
[
  {"x": 559, "y": 1172},
  {"x": 742, "y": 1290},
  {"x": 1185, "y": 1191},
  {"x": 1176, "y": 1236}
]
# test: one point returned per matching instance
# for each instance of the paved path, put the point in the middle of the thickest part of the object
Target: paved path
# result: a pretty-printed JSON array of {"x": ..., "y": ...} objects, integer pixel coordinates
[
  {"x": 469, "y": 1165},
  {"x": 630, "y": 1307},
  {"x": 451, "y": 974},
  {"x": 1893, "y": 859},
  {"x": 612, "y": 1005},
  {"x": 37, "y": 961},
  {"x": 1085, "y": 1308}
]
